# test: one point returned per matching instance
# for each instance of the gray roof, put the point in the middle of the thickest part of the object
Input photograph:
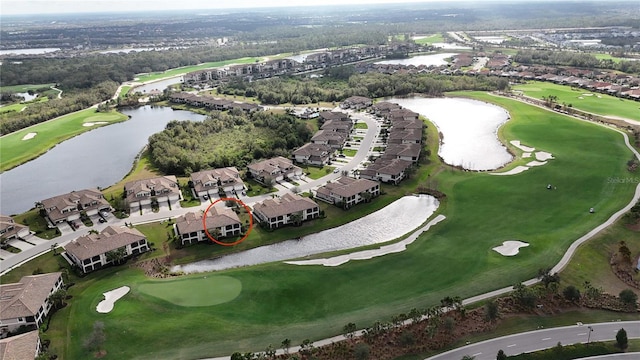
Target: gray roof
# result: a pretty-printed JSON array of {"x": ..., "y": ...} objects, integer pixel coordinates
[
  {"x": 274, "y": 165},
  {"x": 164, "y": 185},
  {"x": 227, "y": 176},
  {"x": 218, "y": 217},
  {"x": 410, "y": 150},
  {"x": 346, "y": 187},
  {"x": 310, "y": 149},
  {"x": 25, "y": 297},
  {"x": 55, "y": 205},
  {"x": 111, "y": 238},
  {"x": 284, "y": 205}
]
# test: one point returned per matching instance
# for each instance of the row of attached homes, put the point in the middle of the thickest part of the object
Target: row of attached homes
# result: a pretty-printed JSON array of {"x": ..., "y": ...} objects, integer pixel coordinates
[{"x": 212, "y": 103}]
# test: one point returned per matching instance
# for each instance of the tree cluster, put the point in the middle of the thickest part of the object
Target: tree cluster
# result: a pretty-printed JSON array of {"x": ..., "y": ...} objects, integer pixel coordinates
[
  {"x": 225, "y": 139},
  {"x": 308, "y": 91},
  {"x": 574, "y": 59}
]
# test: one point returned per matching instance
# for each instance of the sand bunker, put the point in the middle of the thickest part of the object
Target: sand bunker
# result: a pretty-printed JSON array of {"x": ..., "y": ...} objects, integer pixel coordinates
[
  {"x": 94, "y": 123},
  {"x": 543, "y": 156},
  {"x": 369, "y": 254},
  {"x": 516, "y": 170},
  {"x": 517, "y": 144},
  {"x": 110, "y": 298},
  {"x": 29, "y": 136},
  {"x": 510, "y": 247},
  {"x": 587, "y": 94},
  {"x": 580, "y": 97}
]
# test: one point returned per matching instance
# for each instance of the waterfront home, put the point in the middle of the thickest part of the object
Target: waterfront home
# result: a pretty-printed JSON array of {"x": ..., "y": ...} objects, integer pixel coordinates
[
  {"x": 287, "y": 209},
  {"x": 67, "y": 207},
  {"x": 346, "y": 191},
  {"x": 221, "y": 222}
]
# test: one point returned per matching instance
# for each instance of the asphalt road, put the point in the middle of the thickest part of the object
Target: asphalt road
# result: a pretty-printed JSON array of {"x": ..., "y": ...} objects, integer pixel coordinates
[{"x": 543, "y": 339}]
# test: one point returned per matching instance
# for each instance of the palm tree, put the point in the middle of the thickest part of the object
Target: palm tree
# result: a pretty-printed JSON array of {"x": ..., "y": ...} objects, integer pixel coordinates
[
  {"x": 116, "y": 256},
  {"x": 57, "y": 298},
  {"x": 366, "y": 196},
  {"x": 286, "y": 344},
  {"x": 296, "y": 218}
]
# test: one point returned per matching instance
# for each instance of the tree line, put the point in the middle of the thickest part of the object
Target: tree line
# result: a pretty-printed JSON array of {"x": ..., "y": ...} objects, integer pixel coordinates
[
  {"x": 574, "y": 59},
  {"x": 297, "y": 90},
  {"x": 225, "y": 139}
]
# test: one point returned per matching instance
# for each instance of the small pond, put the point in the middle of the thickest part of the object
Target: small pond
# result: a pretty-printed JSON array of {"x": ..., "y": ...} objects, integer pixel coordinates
[{"x": 426, "y": 60}]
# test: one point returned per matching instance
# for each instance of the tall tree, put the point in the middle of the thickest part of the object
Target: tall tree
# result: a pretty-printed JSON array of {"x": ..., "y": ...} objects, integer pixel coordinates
[{"x": 622, "y": 342}]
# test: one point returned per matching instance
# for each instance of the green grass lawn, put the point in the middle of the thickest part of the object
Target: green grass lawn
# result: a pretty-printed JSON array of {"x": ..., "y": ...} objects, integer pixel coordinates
[
  {"x": 435, "y": 38},
  {"x": 596, "y": 103},
  {"x": 15, "y": 151},
  {"x": 187, "y": 69},
  {"x": 361, "y": 125},
  {"x": 124, "y": 91},
  {"x": 36, "y": 224},
  {"x": 454, "y": 258},
  {"x": 315, "y": 173},
  {"x": 24, "y": 88},
  {"x": 256, "y": 188},
  {"x": 213, "y": 290},
  {"x": 615, "y": 59},
  {"x": 349, "y": 152}
]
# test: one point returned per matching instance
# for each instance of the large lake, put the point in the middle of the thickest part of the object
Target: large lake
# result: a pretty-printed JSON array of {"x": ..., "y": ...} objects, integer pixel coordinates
[
  {"x": 469, "y": 130},
  {"x": 389, "y": 223},
  {"x": 100, "y": 157},
  {"x": 426, "y": 60}
]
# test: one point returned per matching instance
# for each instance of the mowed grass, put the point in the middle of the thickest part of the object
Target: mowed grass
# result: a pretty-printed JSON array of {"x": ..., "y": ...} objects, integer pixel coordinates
[
  {"x": 430, "y": 39},
  {"x": 24, "y": 88},
  {"x": 212, "y": 290},
  {"x": 454, "y": 258},
  {"x": 187, "y": 69},
  {"x": 15, "y": 151},
  {"x": 596, "y": 103}
]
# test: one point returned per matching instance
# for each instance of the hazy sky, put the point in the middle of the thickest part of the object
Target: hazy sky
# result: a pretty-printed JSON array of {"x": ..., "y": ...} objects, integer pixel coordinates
[{"x": 11, "y": 7}]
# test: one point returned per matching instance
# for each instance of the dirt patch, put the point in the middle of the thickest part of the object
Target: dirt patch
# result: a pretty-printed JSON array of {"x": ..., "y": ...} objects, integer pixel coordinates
[{"x": 156, "y": 268}]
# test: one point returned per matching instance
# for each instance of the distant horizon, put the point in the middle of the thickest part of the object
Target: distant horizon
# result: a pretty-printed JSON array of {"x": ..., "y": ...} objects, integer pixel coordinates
[{"x": 63, "y": 7}]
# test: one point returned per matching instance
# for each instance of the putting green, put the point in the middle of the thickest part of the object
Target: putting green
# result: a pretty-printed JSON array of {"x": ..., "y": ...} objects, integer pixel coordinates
[{"x": 194, "y": 291}]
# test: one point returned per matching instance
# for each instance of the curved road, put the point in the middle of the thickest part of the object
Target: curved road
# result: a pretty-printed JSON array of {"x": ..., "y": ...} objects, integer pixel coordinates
[{"x": 543, "y": 339}]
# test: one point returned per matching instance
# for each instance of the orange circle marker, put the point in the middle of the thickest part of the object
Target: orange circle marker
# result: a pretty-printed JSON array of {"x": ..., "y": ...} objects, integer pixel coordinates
[{"x": 204, "y": 222}]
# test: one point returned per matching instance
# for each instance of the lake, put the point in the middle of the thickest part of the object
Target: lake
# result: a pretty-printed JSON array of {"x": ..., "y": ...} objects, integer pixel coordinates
[
  {"x": 100, "y": 157},
  {"x": 389, "y": 223},
  {"x": 158, "y": 85},
  {"x": 469, "y": 130},
  {"x": 426, "y": 60}
]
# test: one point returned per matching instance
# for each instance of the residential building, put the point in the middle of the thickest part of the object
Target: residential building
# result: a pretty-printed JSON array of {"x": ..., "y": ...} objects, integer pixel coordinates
[
  {"x": 337, "y": 126},
  {"x": 384, "y": 107},
  {"x": 286, "y": 209},
  {"x": 67, "y": 207},
  {"x": 408, "y": 136},
  {"x": 348, "y": 191},
  {"x": 333, "y": 115},
  {"x": 356, "y": 102},
  {"x": 274, "y": 169},
  {"x": 161, "y": 189},
  {"x": 10, "y": 230},
  {"x": 21, "y": 347},
  {"x": 90, "y": 252},
  {"x": 221, "y": 222},
  {"x": 386, "y": 170},
  {"x": 211, "y": 182},
  {"x": 26, "y": 303},
  {"x": 408, "y": 152},
  {"x": 313, "y": 154},
  {"x": 331, "y": 138}
]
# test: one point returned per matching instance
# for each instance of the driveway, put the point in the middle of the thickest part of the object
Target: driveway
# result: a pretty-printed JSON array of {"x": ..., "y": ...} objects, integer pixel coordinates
[{"x": 22, "y": 245}]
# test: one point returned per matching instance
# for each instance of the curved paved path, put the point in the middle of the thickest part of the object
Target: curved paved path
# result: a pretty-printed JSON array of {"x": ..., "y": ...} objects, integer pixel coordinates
[{"x": 543, "y": 339}]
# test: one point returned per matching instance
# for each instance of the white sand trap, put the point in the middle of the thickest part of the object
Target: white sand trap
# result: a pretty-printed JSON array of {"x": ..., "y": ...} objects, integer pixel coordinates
[
  {"x": 515, "y": 170},
  {"x": 580, "y": 97},
  {"x": 370, "y": 254},
  {"x": 599, "y": 96},
  {"x": 543, "y": 156},
  {"x": 94, "y": 123},
  {"x": 510, "y": 247},
  {"x": 517, "y": 144},
  {"x": 536, "y": 163},
  {"x": 587, "y": 94},
  {"x": 526, "y": 155},
  {"x": 110, "y": 298},
  {"x": 29, "y": 136}
]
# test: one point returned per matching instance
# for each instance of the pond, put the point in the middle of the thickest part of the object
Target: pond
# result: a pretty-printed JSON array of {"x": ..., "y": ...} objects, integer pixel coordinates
[
  {"x": 426, "y": 60},
  {"x": 158, "y": 85},
  {"x": 27, "y": 96},
  {"x": 469, "y": 130},
  {"x": 100, "y": 157},
  {"x": 386, "y": 224}
]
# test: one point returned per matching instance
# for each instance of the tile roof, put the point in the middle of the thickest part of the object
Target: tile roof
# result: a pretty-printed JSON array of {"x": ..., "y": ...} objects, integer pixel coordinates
[
  {"x": 6, "y": 222},
  {"x": 55, "y": 205},
  {"x": 346, "y": 187},
  {"x": 20, "y": 347},
  {"x": 111, "y": 238},
  {"x": 310, "y": 149},
  {"x": 24, "y": 298},
  {"x": 284, "y": 205},
  {"x": 274, "y": 165},
  {"x": 218, "y": 217},
  {"x": 164, "y": 185},
  {"x": 227, "y": 176}
]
